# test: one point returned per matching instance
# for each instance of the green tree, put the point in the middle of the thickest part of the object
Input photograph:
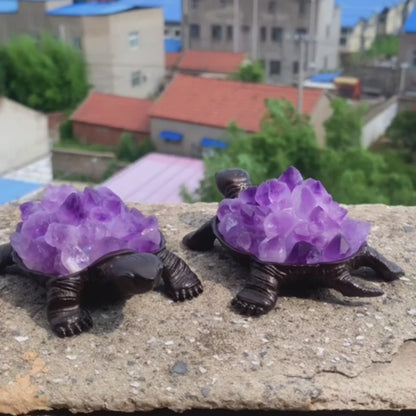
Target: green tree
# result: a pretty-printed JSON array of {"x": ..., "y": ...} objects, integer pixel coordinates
[
  {"x": 45, "y": 74},
  {"x": 252, "y": 72},
  {"x": 350, "y": 173},
  {"x": 286, "y": 138},
  {"x": 127, "y": 149},
  {"x": 343, "y": 129},
  {"x": 402, "y": 130}
]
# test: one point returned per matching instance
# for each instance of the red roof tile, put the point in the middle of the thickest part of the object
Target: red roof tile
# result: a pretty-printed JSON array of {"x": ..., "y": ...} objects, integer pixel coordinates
[
  {"x": 130, "y": 114},
  {"x": 211, "y": 61},
  {"x": 217, "y": 103},
  {"x": 172, "y": 59}
]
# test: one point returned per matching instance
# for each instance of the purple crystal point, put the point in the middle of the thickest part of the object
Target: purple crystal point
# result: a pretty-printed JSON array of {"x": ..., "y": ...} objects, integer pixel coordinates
[
  {"x": 291, "y": 177},
  {"x": 290, "y": 220},
  {"x": 68, "y": 230}
]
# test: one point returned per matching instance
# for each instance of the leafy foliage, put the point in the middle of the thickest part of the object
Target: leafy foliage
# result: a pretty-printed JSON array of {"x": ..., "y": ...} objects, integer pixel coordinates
[
  {"x": 45, "y": 74},
  {"x": 253, "y": 72},
  {"x": 384, "y": 46},
  {"x": 127, "y": 149},
  {"x": 402, "y": 130},
  {"x": 343, "y": 128},
  {"x": 351, "y": 174}
]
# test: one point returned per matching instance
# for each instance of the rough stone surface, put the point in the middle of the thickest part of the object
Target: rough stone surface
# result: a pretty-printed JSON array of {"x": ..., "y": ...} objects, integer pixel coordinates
[{"x": 321, "y": 352}]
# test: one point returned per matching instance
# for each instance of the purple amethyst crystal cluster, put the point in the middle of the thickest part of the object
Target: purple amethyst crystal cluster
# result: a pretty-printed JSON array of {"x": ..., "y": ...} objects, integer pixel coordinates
[
  {"x": 290, "y": 220},
  {"x": 68, "y": 230}
]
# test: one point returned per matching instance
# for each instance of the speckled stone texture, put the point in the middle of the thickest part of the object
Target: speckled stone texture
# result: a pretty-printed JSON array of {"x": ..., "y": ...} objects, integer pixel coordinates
[{"x": 321, "y": 352}]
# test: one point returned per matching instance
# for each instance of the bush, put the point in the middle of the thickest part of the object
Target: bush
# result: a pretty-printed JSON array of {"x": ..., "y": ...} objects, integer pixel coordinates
[
  {"x": 66, "y": 131},
  {"x": 129, "y": 151}
]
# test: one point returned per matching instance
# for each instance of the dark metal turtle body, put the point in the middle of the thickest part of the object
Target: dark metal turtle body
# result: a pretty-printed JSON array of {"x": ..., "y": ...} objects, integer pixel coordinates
[
  {"x": 265, "y": 280},
  {"x": 114, "y": 277}
]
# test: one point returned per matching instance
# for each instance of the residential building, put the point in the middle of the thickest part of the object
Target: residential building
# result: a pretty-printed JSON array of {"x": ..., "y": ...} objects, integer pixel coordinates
[
  {"x": 103, "y": 118},
  {"x": 24, "y": 135},
  {"x": 284, "y": 34},
  {"x": 407, "y": 54},
  {"x": 122, "y": 42},
  {"x": 362, "y": 21},
  {"x": 210, "y": 64},
  {"x": 194, "y": 112}
]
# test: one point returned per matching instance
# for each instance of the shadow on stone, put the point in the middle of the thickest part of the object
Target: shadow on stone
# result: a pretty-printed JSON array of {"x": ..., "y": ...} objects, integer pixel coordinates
[{"x": 25, "y": 293}]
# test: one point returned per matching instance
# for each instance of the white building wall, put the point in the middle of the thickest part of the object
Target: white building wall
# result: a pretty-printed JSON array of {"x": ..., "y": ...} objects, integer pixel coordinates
[
  {"x": 24, "y": 135},
  {"x": 377, "y": 125}
]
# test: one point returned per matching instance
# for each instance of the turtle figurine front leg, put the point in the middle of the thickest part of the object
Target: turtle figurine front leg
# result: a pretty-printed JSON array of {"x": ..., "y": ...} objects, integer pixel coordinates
[{"x": 180, "y": 281}]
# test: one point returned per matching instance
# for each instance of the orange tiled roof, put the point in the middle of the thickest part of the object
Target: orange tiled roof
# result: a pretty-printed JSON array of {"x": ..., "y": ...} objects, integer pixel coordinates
[
  {"x": 216, "y": 103},
  {"x": 130, "y": 114},
  {"x": 172, "y": 59},
  {"x": 211, "y": 61}
]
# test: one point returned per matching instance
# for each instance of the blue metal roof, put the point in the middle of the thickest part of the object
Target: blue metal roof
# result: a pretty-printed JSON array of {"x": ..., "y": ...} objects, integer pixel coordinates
[
  {"x": 325, "y": 77},
  {"x": 173, "y": 45},
  {"x": 8, "y": 6},
  {"x": 10, "y": 189},
  {"x": 172, "y": 9},
  {"x": 352, "y": 11},
  {"x": 410, "y": 25}
]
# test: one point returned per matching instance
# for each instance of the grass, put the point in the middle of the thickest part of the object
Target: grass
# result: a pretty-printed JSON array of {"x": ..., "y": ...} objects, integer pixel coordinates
[{"x": 74, "y": 144}]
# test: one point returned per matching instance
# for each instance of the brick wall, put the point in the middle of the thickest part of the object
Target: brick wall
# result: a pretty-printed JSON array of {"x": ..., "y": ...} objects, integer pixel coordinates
[{"x": 106, "y": 136}]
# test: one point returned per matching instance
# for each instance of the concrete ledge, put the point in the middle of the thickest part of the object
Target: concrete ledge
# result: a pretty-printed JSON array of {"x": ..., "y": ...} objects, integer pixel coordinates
[{"x": 321, "y": 353}]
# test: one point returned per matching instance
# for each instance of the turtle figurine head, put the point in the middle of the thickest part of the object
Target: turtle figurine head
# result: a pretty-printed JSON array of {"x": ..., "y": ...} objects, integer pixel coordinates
[
  {"x": 90, "y": 248},
  {"x": 292, "y": 233}
]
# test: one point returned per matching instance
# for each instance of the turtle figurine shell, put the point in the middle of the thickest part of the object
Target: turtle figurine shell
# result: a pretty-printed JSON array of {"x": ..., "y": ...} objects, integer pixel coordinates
[
  {"x": 88, "y": 248},
  {"x": 292, "y": 234}
]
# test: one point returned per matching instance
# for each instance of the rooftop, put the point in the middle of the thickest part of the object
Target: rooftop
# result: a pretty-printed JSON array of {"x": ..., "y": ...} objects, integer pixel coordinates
[
  {"x": 172, "y": 59},
  {"x": 211, "y": 61},
  {"x": 352, "y": 11},
  {"x": 410, "y": 25},
  {"x": 130, "y": 114},
  {"x": 157, "y": 178},
  {"x": 214, "y": 102},
  {"x": 172, "y": 9}
]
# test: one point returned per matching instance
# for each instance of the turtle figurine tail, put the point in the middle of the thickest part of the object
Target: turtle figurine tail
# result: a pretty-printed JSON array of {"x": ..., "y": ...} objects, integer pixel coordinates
[{"x": 6, "y": 258}]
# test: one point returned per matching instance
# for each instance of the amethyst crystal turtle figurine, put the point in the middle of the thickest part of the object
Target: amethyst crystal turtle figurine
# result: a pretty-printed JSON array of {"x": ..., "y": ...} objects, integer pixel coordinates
[
  {"x": 89, "y": 248},
  {"x": 293, "y": 235}
]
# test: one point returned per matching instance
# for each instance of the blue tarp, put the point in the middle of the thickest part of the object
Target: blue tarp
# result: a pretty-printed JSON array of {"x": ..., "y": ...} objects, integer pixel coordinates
[
  {"x": 10, "y": 189},
  {"x": 352, "y": 11},
  {"x": 410, "y": 25},
  {"x": 208, "y": 142},
  {"x": 171, "y": 136},
  {"x": 326, "y": 77},
  {"x": 8, "y": 6},
  {"x": 172, "y": 9},
  {"x": 173, "y": 45}
]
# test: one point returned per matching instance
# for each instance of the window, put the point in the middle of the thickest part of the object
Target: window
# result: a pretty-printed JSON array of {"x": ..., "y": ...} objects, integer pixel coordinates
[
  {"x": 133, "y": 40},
  {"x": 302, "y": 7},
  {"x": 223, "y": 3},
  {"x": 77, "y": 43},
  {"x": 136, "y": 78},
  {"x": 216, "y": 143},
  {"x": 277, "y": 34},
  {"x": 166, "y": 32},
  {"x": 343, "y": 41},
  {"x": 300, "y": 32},
  {"x": 171, "y": 136},
  {"x": 274, "y": 67},
  {"x": 295, "y": 67},
  {"x": 414, "y": 58},
  {"x": 216, "y": 32},
  {"x": 271, "y": 7},
  {"x": 229, "y": 33},
  {"x": 194, "y": 4},
  {"x": 195, "y": 31},
  {"x": 245, "y": 29},
  {"x": 263, "y": 34},
  {"x": 177, "y": 32}
]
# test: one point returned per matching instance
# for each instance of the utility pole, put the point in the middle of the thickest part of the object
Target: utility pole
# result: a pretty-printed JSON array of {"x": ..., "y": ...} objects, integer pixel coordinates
[
  {"x": 236, "y": 26},
  {"x": 255, "y": 31},
  {"x": 310, "y": 51},
  {"x": 301, "y": 73}
]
